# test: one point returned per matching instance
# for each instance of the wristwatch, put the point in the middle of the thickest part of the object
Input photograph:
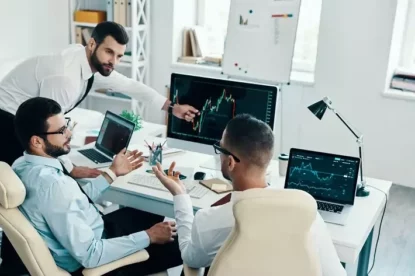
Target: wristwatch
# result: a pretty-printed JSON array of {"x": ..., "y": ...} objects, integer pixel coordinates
[
  {"x": 170, "y": 109},
  {"x": 110, "y": 173}
]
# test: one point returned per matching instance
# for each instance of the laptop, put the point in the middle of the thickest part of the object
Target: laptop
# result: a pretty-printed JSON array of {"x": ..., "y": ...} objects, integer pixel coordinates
[
  {"x": 114, "y": 135},
  {"x": 330, "y": 178}
]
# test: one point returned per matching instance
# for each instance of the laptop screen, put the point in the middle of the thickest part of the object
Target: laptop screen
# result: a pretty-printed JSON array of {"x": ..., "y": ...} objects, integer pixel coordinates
[
  {"x": 115, "y": 134},
  {"x": 324, "y": 176}
]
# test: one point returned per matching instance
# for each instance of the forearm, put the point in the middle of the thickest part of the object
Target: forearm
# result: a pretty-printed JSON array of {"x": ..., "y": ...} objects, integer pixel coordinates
[
  {"x": 104, "y": 251},
  {"x": 191, "y": 249},
  {"x": 96, "y": 186},
  {"x": 132, "y": 88}
]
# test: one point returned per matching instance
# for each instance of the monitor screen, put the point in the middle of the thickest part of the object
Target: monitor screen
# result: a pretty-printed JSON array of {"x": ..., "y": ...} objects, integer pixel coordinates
[
  {"x": 325, "y": 176},
  {"x": 115, "y": 134},
  {"x": 218, "y": 101}
]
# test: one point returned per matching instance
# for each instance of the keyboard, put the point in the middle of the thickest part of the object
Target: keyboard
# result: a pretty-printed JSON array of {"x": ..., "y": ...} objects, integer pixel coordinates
[
  {"x": 95, "y": 156},
  {"x": 195, "y": 191},
  {"x": 329, "y": 207}
]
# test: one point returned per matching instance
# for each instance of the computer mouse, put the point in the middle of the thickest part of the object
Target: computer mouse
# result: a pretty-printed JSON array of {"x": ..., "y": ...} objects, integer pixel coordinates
[{"x": 199, "y": 176}]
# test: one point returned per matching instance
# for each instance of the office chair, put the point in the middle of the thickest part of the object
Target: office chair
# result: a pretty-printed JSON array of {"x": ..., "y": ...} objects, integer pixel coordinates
[
  {"x": 27, "y": 242},
  {"x": 271, "y": 236}
]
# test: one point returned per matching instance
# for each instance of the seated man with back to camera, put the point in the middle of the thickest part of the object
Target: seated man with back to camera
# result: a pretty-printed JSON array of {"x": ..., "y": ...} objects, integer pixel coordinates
[
  {"x": 76, "y": 233},
  {"x": 246, "y": 149}
]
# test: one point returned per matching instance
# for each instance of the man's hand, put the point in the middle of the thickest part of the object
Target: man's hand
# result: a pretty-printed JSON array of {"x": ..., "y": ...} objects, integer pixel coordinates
[
  {"x": 171, "y": 181},
  {"x": 185, "y": 111},
  {"x": 84, "y": 172},
  {"x": 125, "y": 162},
  {"x": 162, "y": 232}
]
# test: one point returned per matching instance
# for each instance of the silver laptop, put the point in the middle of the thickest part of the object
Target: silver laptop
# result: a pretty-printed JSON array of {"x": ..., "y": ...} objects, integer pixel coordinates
[
  {"x": 115, "y": 134},
  {"x": 331, "y": 179}
]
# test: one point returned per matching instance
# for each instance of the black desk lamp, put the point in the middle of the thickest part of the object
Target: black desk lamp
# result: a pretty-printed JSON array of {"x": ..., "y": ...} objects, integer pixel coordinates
[{"x": 318, "y": 109}]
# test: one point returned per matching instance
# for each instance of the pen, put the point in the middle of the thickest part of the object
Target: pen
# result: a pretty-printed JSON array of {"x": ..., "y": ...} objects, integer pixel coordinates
[{"x": 148, "y": 146}]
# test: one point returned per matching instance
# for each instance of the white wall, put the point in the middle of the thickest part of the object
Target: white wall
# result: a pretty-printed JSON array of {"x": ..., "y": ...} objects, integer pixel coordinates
[
  {"x": 27, "y": 27},
  {"x": 352, "y": 63},
  {"x": 351, "y": 68}
]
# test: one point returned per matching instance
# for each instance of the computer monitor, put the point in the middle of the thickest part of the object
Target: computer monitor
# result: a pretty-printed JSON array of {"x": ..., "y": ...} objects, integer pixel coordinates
[{"x": 218, "y": 101}]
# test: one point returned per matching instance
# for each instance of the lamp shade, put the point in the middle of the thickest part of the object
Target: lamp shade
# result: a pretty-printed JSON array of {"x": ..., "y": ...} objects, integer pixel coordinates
[{"x": 318, "y": 109}]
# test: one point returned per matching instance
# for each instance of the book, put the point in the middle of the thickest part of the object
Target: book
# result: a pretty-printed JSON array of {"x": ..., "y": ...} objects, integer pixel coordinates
[{"x": 217, "y": 185}]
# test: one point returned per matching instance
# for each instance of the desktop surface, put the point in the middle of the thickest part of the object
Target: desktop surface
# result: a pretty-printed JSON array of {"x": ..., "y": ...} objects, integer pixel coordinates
[{"x": 348, "y": 239}]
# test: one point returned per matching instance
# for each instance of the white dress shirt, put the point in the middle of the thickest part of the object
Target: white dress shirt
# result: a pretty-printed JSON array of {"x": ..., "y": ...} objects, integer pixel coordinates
[
  {"x": 201, "y": 236},
  {"x": 63, "y": 77}
]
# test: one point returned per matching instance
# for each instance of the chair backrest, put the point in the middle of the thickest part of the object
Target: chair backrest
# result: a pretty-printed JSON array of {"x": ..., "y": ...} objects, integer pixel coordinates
[
  {"x": 27, "y": 242},
  {"x": 271, "y": 235}
]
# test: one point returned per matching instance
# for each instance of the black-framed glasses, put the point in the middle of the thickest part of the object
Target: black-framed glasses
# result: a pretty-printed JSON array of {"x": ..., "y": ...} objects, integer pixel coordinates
[
  {"x": 219, "y": 150},
  {"x": 62, "y": 130}
]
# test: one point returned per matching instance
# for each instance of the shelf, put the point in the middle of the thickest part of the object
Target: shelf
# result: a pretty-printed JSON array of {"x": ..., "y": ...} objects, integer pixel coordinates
[
  {"x": 106, "y": 97},
  {"x": 140, "y": 63},
  {"x": 92, "y": 25},
  {"x": 124, "y": 64},
  {"x": 84, "y": 24}
]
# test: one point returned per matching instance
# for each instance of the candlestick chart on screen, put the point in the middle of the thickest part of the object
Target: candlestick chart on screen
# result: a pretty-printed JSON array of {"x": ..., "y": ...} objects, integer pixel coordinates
[{"x": 217, "y": 104}]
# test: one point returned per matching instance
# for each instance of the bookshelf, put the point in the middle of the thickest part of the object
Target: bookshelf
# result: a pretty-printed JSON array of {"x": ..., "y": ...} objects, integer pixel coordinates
[{"x": 135, "y": 64}]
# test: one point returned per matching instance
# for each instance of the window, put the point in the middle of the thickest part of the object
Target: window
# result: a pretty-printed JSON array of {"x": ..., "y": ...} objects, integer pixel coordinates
[
  {"x": 407, "y": 60},
  {"x": 213, "y": 16}
]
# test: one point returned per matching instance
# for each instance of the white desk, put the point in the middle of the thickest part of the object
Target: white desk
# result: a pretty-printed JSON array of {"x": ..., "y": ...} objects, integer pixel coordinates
[{"x": 351, "y": 241}]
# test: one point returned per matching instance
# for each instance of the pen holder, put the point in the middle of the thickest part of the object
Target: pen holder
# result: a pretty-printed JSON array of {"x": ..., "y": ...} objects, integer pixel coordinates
[{"x": 155, "y": 156}]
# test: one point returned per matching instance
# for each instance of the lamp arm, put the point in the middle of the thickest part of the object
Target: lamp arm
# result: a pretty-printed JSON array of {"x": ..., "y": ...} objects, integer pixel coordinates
[
  {"x": 359, "y": 141},
  {"x": 357, "y": 135}
]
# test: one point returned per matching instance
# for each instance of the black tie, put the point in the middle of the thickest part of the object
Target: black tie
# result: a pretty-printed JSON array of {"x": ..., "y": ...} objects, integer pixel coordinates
[
  {"x": 82, "y": 190},
  {"x": 88, "y": 87}
]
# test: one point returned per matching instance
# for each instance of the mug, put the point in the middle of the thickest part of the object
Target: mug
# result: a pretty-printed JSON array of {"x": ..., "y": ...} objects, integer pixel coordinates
[{"x": 283, "y": 163}]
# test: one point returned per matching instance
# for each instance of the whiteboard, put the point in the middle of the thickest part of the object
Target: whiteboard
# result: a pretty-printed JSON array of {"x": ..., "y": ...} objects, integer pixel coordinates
[{"x": 260, "y": 39}]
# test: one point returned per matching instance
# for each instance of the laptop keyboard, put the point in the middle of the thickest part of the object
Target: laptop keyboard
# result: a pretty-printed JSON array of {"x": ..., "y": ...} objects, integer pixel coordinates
[
  {"x": 329, "y": 207},
  {"x": 94, "y": 156}
]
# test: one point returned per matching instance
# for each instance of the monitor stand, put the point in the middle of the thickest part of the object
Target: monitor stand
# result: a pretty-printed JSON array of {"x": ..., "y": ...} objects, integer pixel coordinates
[{"x": 212, "y": 163}]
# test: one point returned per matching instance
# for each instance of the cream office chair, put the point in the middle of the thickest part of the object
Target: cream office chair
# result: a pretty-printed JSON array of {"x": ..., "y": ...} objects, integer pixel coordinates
[
  {"x": 26, "y": 240},
  {"x": 271, "y": 236}
]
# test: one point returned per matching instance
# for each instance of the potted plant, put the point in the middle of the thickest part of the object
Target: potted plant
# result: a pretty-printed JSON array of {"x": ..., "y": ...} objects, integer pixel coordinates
[{"x": 135, "y": 118}]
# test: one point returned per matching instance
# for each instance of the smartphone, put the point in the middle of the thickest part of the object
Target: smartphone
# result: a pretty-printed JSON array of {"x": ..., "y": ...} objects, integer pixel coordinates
[{"x": 181, "y": 177}]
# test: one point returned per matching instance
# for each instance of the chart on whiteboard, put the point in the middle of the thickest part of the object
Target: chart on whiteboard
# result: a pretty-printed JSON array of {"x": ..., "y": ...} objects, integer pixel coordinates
[{"x": 260, "y": 40}]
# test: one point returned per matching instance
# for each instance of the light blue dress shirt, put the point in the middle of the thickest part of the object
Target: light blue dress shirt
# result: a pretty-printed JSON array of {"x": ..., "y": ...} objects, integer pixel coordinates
[{"x": 71, "y": 227}]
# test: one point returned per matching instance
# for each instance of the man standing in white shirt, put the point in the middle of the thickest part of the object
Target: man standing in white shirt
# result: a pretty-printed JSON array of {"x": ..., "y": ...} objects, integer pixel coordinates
[
  {"x": 67, "y": 77},
  {"x": 246, "y": 149}
]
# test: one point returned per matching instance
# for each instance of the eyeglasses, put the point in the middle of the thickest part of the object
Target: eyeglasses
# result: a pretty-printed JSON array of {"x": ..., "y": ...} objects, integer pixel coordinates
[
  {"x": 62, "y": 130},
  {"x": 219, "y": 150}
]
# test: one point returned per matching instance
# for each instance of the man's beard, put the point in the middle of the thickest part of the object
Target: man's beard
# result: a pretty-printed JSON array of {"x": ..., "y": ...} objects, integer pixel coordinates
[
  {"x": 100, "y": 66},
  {"x": 224, "y": 173},
  {"x": 55, "y": 151},
  {"x": 226, "y": 176}
]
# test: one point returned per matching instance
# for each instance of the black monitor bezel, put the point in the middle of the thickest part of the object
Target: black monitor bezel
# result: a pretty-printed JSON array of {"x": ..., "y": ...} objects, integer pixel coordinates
[
  {"x": 170, "y": 134},
  {"x": 102, "y": 148}
]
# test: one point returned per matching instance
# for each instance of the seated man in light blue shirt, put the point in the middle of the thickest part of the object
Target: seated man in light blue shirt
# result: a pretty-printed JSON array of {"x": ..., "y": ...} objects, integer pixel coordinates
[{"x": 76, "y": 233}]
